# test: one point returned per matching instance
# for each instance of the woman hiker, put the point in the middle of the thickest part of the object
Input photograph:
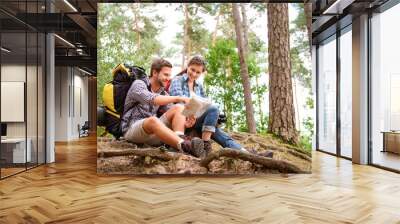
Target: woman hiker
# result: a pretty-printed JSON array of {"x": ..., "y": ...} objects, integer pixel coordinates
[{"x": 186, "y": 84}]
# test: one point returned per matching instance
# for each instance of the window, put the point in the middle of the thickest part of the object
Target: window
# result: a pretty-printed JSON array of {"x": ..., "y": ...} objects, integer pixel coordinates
[
  {"x": 327, "y": 95},
  {"x": 385, "y": 88},
  {"x": 22, "y": 77},
  {"x": 346, "y": 92}
]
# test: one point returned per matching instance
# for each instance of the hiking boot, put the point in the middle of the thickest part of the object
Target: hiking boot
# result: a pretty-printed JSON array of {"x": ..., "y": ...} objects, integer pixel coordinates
[
  {"x": 207, "y": 147},
  {"x": 194, "y": 147},
  {"x": 185, "y": 137}
]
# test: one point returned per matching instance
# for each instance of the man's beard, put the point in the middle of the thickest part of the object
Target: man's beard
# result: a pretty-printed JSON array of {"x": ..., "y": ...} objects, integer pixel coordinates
[{"x": 161, "y": 83}]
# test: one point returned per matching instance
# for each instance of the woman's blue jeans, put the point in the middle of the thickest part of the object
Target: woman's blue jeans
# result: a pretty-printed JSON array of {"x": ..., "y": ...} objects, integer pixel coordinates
[{"x": 208, "y": 122}]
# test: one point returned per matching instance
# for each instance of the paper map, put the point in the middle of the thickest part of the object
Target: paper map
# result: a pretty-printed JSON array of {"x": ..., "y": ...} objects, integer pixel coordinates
[{"x": 196, "y": 106}]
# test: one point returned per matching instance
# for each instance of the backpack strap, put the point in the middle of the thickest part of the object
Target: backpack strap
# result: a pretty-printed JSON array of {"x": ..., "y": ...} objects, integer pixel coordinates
[{"x": 137, "y": 103}]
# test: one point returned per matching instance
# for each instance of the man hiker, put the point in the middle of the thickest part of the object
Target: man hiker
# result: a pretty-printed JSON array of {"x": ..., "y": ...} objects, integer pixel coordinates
[{"x": 140, "y": 123}]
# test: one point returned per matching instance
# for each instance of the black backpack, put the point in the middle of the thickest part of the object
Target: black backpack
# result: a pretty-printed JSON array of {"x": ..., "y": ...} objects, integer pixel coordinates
[{"x": 114, "y": 94}]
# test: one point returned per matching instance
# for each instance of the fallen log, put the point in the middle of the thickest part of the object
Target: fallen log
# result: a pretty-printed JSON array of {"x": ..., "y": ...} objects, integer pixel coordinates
[
  {"x": 282, "y": 166},
  {"x": 117, "y": 144},
  {"x": 151, "y": 152}
]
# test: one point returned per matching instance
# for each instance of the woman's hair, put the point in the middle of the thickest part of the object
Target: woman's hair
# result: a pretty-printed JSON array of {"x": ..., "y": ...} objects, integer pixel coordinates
[{"x": 195, "y": 60}]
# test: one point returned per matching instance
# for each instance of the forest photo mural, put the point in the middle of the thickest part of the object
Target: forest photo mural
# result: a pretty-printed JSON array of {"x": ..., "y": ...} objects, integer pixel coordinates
[{"x": 204, "y": 88}]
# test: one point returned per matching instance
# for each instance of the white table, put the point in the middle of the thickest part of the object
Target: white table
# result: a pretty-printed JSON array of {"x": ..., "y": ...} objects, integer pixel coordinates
[{"x": 18, "y": 149}]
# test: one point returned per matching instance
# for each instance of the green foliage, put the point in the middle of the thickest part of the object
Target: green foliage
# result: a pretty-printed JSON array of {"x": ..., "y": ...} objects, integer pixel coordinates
[
  {"x": 199, "y": 36},
  {"x": 301, "y": 69},
  {"x": 258, "y": 90},
  {"x": 305, "y": 142},
  {"x": 119, "y": 42},
  {"x": 310, "y": 102},
  {"x": 261, "y": 8},
  {"x": 309, "y": 124},
  {"x": 101, "y": 132},
  {"x": 306, "y": 136},
  {"x": 300, "y": 49},
  {"x": 223, "y": 84}
]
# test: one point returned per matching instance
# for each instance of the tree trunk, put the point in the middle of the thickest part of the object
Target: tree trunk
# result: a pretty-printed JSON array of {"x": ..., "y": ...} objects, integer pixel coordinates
[
  {"x": 185, "y": 49},
  {"x": 214, "y": 35},
  {"x": 308, "y": 13},
  {"x": 259, "y": 102},
  {"x": 245, "y": 29},
  {"x": 251, "y": 124},
  {"x": 281, "y": 109},
  {"x": 136, "y": 11},
  {"x": 189, "y": 28},
  {"x": 295, "y": 96},
  {"x": 228, "y": 83}
]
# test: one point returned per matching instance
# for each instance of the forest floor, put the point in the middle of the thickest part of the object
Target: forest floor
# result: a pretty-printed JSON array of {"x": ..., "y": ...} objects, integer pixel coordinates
[{"x": 122, "y": 157}]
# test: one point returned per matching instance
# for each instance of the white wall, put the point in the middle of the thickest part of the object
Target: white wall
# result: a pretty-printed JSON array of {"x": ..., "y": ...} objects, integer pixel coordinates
[
  {"x": 33, "y": 127},
  {"x": 61, "y": 103},
  {"x": 12, "y": 73},
  {"x": 81, "y": 83},
  {"x": 71, "y": 87}
]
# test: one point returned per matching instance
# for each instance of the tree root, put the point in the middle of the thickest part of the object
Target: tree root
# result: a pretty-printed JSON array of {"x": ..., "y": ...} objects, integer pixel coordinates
[
  {"x": 285, "y": 148},
  {"x": 239, "y": 137},
  {"x": 282, "y": 166},
  {"x": 300, "y": 155},
  {"x": 289, "y": 149},
  {"x": 151, "y": 152},
  {"x": 292, "y": 152},
  {"x": 297, "y": 149}
]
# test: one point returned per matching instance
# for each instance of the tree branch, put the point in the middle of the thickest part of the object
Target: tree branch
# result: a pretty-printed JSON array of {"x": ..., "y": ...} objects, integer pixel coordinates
[
  {"x": 282, "y": 166},
  {"x": 154, "y": 153}
]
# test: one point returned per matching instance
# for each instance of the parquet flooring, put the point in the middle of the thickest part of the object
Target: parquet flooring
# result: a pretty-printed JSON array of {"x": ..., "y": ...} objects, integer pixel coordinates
[
  {"x": 10, "y": 171},
  {"x": 70, "y": 191}
]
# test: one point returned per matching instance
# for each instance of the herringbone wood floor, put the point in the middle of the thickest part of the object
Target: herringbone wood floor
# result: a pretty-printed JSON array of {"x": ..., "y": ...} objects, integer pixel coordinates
[{"x": 69, "y": 191}]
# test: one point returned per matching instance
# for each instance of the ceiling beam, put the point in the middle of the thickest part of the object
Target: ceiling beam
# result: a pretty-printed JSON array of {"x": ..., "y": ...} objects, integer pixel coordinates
[
  {"x": 86, "y": 26},
  {"x": 337, "y": 7},
  {"x": 82, "y": 61}
]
